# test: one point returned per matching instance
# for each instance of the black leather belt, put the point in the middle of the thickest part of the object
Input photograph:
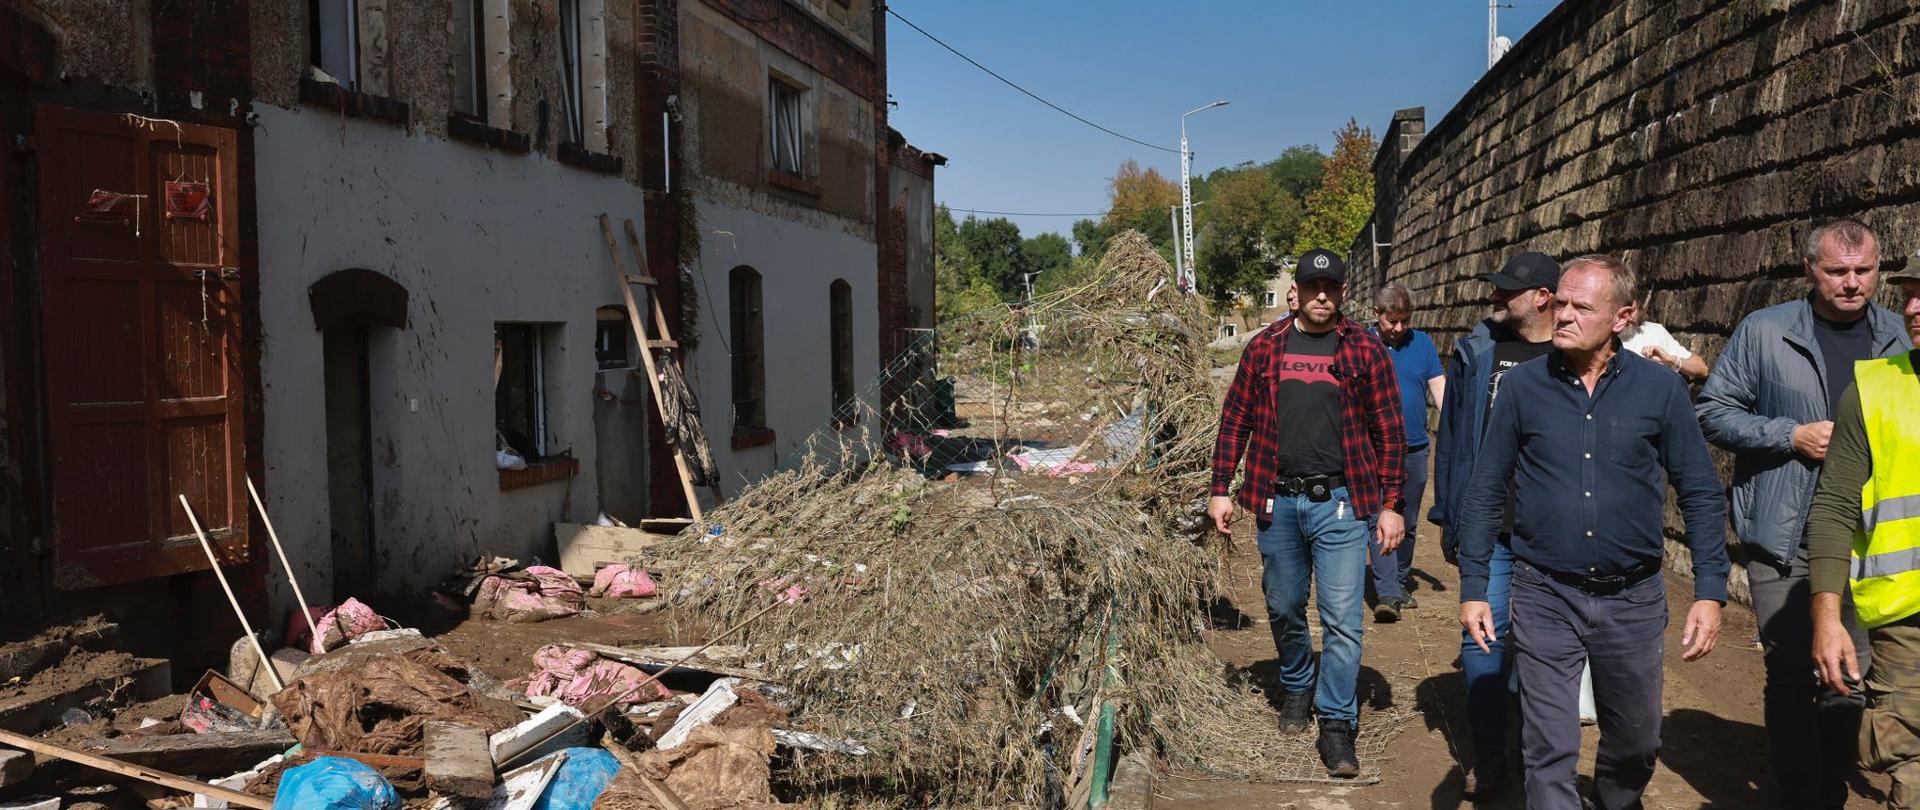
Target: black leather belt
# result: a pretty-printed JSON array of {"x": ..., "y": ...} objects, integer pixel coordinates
[
  {"x": 1317, "y": 487},
  {"x": 1608, "y": 584}
]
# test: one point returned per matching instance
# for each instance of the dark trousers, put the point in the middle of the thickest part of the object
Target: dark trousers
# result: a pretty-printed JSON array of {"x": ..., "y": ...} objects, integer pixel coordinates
[
  {"x": 1390, "y": 571},
  {"x": 1812, "y": 732},
  {"x": 1559, "y": 628},
  {"x": 1890, "y": 739}
]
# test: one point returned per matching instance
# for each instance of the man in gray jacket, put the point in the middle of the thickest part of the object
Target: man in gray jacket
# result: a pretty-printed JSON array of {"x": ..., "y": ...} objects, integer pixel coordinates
[{"x": 1770, "y": 402}]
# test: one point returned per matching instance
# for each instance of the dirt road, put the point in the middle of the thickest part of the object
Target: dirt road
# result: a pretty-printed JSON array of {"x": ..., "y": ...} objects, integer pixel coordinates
[{"x": 1715, "y": 746}]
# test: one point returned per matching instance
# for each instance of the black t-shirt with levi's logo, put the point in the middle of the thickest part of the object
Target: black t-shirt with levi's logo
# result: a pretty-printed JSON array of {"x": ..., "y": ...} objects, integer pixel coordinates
[{"x": 1307, "y": 405}]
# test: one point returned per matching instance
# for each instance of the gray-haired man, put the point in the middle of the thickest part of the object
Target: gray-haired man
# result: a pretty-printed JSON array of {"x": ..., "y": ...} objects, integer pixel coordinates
[{"x": 1770, "y": 401}]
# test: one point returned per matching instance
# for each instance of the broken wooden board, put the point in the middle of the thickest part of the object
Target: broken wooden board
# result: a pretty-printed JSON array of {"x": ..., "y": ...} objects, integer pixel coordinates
[
  {"x": 723, "y": 660},
  {"x": 519, "y": 789},
  {"x": 143, "y": 679},
  {"x": 232, "y": 797},
  {"x": 585, "y": 549},
  {"x": 215, "y": 753},
  {"x": 458, "y": 763}
]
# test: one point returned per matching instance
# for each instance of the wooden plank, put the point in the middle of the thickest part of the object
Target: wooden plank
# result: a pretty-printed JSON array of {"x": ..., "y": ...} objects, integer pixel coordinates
[
  {"x": 150, "y": 678},
  {"x": 232, "y": 797},
  {"x": 711, "y": 660},
  {"x": 378, "y": 760},
  {"x": 637, "y": 278},
  {"x": 584, "y": 549},
  {"x": 663, "y": 344},
  {"x": 213, "y": 753},
  {"x": 458, "y": 763}
]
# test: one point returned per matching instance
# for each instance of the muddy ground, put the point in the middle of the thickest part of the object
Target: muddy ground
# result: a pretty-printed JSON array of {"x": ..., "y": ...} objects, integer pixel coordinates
[{"x": 1715, "y": 744}]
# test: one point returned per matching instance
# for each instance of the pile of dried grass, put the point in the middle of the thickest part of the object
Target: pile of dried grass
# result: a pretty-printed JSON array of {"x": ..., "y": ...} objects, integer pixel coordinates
[{"x": 969, "y": 631}]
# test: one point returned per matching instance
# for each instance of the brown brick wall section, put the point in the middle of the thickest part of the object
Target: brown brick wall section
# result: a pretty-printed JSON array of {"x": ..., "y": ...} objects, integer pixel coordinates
[{"x": 1698, "y": 139}]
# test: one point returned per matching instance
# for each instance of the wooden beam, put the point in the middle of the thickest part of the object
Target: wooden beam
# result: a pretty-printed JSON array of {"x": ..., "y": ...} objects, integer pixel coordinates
[
  {"x": 232, "y": 797},
  {"x": 212, "y": 753}
]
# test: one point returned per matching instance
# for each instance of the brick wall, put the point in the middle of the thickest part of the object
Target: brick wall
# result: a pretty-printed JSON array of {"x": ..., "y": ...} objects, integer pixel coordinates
[{"x": 1699, "y": 139}]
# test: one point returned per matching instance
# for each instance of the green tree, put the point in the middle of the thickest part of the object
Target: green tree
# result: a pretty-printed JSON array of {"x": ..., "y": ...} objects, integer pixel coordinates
[
  {"x": 1046, "y": 254},
  {"x": 958, "y": 288},
  {"x": 1298, "y": 169},
  {"x": 995, "y": 245},
  {"x": 1340, "y": 206},
  {"x": 1138, "y": 199},
  {"x": 1089, "y": 236},
  {"x": 1250, "y": 221}
]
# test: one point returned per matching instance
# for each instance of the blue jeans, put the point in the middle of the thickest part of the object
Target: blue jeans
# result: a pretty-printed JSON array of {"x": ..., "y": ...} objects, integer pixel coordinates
[
  {"x": 1390, "y": 570},
  {"x": 1487, "y": 672},
  {"x": 1302, "y": 542}
]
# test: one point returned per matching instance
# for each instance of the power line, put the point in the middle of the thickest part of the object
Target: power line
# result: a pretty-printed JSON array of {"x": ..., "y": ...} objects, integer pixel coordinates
[
  {"x": 1029, "y": 93},
  {"x": 1023, "y": 214}
]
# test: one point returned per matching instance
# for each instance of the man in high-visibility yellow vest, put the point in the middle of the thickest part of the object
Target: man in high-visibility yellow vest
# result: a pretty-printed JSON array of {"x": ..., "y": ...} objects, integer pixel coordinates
[{"x": 1863, "y": 531}]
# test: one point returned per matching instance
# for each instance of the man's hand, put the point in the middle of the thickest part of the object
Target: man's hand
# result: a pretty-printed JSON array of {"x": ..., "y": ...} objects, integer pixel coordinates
[
  {"x": 1220, "y": 508},
  {"x": 1477, "y": 618},
  {"x": 1657, "y": 355},
  {"x": 1833, "y": 653},
  {"x": 1703, "y": 630},
  {"x": 1810, "y": 440},
  {"x": 1390, "y": 529}
]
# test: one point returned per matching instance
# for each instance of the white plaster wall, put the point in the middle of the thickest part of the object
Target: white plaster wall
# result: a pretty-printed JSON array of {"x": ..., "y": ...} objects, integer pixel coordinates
[
  {"x": 476, "y": 236},
  {"x": 797, "y": 263}
]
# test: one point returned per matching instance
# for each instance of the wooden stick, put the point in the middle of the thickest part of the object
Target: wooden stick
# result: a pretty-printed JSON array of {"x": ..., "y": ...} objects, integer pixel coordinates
[
  {"x": 277, "y": 549},
  {"x": 650, "y": 679},
  {"x": 662, "y": 794},
  {"x": 181, "y": 783},
  {"x": 265, "y": 660}
]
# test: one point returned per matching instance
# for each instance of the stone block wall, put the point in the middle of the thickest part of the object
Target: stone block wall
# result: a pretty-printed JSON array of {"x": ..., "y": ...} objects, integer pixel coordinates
[{"x": 1697, "y": 139}]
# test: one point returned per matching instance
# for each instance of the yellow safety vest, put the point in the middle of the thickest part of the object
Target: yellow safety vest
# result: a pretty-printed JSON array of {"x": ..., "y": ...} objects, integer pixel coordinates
[{"x": 1886, "y": 547}]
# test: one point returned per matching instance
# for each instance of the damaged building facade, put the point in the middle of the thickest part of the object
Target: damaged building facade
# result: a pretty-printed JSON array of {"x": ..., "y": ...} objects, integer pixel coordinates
[{"x": 353, "y": 249}]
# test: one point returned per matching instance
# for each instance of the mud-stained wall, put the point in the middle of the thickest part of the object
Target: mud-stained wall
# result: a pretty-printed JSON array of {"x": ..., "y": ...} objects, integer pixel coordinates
[
  {"x": 723, "y": 98},
  {"x": 104, "y": 40},
  {"x": 1698, "y": 139},
  {"x": 420, "y": 57},
  {"x": 524, "y": 247}
]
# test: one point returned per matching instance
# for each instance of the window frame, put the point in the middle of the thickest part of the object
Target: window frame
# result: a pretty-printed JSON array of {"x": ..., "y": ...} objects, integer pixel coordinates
[
  {"x": 573, "y": 72},
  {"x": 746, "y": 319},
  {"x": 1269, "y": 300},
  {"x": 1228, "y": 330},
  {"x": 790, "y": 97},
  {"x": 535, "y": 380},
  {"x": 317, "y": 50},
  {"x": 610, "y": 323},
  {"x": 476, "y": 61}
]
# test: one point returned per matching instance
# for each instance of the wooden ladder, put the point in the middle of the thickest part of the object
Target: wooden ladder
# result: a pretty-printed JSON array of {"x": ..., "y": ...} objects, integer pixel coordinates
[{"x": 649, "y": 346}]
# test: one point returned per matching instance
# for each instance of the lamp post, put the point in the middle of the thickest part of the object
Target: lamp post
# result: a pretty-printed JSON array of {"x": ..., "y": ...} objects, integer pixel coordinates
[{"x": 1186, "y": 196}]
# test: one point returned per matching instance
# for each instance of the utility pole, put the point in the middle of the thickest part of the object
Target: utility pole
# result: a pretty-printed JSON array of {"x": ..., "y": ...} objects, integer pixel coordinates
[
  {"x": 1179, "y": 260},
  {"x": 1493, "y": 32},
  {"x": 1186, "y": 197}
]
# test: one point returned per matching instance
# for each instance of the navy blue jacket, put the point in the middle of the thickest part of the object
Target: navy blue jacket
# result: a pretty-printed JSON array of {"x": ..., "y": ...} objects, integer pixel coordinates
[
  {"x": 1462, "y": 418},
  {"x": 1591, "y": 475}
]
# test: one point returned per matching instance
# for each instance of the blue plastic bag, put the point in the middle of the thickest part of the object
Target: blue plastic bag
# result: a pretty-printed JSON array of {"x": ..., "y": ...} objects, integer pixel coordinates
[
  {"x": 335, "y": 783},
  {"x": 581, "y": 780}
]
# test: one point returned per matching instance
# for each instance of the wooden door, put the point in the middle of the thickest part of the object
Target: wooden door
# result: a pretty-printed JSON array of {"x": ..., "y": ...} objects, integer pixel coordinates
[{"x": 141, "y": 340}]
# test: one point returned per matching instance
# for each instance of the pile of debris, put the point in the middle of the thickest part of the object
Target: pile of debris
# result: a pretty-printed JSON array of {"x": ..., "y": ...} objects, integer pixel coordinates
[{"x": 993, "y": 639}]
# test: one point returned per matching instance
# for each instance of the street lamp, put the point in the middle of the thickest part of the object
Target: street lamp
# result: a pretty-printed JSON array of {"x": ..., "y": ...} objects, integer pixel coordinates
[{"x": 1186, "y": 195}]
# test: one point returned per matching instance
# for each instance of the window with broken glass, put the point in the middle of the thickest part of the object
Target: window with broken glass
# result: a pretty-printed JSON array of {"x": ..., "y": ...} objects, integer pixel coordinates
[{"x": 785, "y": 105}]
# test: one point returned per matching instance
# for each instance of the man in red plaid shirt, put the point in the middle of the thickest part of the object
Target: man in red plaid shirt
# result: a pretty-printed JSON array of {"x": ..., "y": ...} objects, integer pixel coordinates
[{"x": 1315, "y": 410}]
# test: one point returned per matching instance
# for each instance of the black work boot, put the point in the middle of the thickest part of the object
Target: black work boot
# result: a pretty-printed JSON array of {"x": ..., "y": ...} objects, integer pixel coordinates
[
  {"x": 1336, "y": 749},
  {"x": 1387, "y": 612},
  {"x": 1296, "y": 712}
]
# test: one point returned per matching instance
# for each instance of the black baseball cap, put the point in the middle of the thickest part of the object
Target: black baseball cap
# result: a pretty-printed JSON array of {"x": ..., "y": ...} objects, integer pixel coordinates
[
  {"x": 1531, "y": 270},
  {"x": 1320, "y": 263}
]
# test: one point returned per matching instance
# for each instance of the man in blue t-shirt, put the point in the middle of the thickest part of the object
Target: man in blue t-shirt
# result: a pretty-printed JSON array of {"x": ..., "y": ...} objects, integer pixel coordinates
[{"x": 1416, "y": 362}]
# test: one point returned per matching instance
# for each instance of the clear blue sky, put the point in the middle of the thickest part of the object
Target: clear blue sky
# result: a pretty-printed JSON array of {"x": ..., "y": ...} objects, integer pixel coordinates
[{"x": 1294, "y": 70}]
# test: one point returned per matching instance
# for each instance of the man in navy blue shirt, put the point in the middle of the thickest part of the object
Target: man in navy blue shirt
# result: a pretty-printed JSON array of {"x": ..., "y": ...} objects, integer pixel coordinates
[
  {"x": 1591, "y": 440},
  {"x": 1416, "y": 363}
]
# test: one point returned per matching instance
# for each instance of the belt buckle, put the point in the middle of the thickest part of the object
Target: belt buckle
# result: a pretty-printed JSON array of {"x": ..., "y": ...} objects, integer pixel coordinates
[
  {"x": 1606, "y": 585},
  {"x": 1318, "y": 491}
]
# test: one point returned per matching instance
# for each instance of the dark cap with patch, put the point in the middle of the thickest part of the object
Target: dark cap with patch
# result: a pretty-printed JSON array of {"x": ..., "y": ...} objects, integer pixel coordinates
[
  {"x": 1320, "y": 263},
  {"x": 1531, "y": 270},
  {"x": 1906, "y": 274}
]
